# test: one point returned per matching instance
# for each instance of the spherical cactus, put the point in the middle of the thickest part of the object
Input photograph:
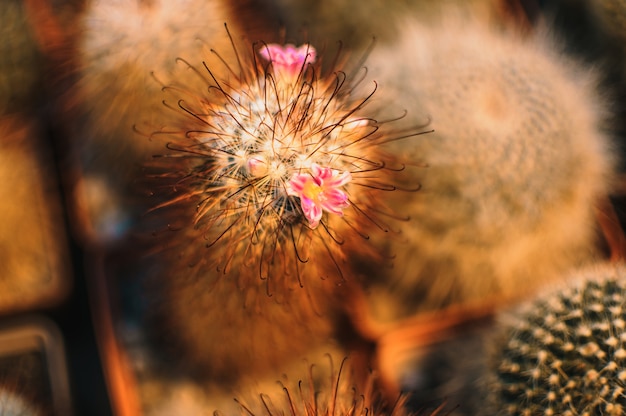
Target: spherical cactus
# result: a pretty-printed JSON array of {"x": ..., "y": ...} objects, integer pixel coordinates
[
  {"x": 518, "y": 155},
  {"x": 122, "y": 46},
  {"x": 565, "y": 353},
  {"x": 270, "y": 180}
]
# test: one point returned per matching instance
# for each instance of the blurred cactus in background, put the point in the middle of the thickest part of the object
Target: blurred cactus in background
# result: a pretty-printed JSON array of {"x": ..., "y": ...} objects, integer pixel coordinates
[{"x": 520, "y": 152}]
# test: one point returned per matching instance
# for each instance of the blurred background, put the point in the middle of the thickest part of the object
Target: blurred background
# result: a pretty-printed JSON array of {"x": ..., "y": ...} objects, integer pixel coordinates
[{"x": 65, "y": 225}]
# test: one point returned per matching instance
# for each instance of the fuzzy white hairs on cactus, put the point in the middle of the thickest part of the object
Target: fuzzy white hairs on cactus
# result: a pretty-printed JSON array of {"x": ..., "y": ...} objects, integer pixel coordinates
[
  {"x": 273, "y": 176},
  {"x": 280, "y": 166}
]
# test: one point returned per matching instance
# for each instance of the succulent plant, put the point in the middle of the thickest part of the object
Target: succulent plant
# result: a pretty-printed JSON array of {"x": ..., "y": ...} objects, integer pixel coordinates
[
  {"x": 338, "y": 396},
  {"x": 271, "y": 177},
  {"x": 120, "y": 47},
  {"x": 519, "y": 153},
  {"x": 565, "y": 353}
]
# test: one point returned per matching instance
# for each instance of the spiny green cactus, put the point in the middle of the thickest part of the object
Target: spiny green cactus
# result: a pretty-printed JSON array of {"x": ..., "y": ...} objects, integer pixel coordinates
[{"x": 566, "y": 354}]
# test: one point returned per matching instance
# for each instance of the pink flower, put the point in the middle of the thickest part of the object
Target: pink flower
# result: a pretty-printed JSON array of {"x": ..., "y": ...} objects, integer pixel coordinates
[
  {"x": 319, "y": 191},
  {"x": 288, "y": 60}
]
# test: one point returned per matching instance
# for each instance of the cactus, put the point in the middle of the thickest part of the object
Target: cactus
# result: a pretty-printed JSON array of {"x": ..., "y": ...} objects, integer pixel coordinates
[
  {"x": 564, "y": 353},
  {"x": 273, "y": 176},
  {"x": 338, "y": 395},
  {"x": 121, "y": 47},
  {"x": 326, "y": 385},
  {"x": 280, "y": 170},
  {"x": 519, "y": 153}
]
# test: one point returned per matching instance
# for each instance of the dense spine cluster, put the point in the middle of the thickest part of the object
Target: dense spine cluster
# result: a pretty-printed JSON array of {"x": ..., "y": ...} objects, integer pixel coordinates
[
  {"x": 280, "y": 166},
  {"x": 339, "y": 395},
  {"x": 567, "y": 354}
]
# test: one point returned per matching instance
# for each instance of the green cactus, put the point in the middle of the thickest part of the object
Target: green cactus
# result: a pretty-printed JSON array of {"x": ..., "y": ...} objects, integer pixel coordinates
[{"x": 566, "y": 354}]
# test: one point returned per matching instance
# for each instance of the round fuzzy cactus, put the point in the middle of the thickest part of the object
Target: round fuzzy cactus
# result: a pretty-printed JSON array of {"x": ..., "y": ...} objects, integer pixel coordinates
[
  {"x": 518, "y": 155},
  {"x": 269, "y": 180},
  {"x": 566, "y": 354}
]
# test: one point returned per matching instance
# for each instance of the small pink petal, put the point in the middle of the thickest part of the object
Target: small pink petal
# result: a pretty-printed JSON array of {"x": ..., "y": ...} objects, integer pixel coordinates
[
  {"x": 316, "y": 170},
  {"x": 338, "y": 180},
  {"x": 335, "y": 206},
  {"x": 335, "y": 196},
  {"x": 269, "y": 50},
  {"x": 288, "y": 60},
  {"x": 255, "y": 165},
  {"x": 295, "y": 186},
  {"x": 312, "y": 212}
]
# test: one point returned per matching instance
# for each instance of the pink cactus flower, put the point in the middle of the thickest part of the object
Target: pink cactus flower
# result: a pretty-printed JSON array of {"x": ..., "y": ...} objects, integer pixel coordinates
[
  {"x": 319, "y": 191},
  {"x": 288, "y": 60}
]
